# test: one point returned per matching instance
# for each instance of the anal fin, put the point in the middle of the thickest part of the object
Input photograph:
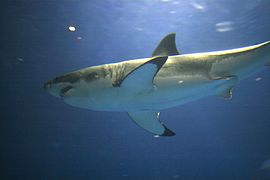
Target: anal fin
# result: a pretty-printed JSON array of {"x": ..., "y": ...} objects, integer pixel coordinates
[{"x": 149, "y": 120}]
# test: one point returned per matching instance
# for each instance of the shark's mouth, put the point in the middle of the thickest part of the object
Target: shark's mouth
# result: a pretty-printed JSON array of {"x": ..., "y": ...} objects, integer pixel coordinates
[{"x": 63, "y": 92}]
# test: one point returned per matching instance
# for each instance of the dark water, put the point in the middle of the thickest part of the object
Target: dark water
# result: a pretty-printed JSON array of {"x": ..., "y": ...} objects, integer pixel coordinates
[{"x": 41, "y": 137}]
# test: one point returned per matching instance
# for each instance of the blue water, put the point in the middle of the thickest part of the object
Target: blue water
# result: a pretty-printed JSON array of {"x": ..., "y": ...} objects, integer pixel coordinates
[{"x": 43, "y": 138}]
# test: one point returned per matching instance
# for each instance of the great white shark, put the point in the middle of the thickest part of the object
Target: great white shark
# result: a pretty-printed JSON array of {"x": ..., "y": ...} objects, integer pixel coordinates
[{"x": 143, "y": 87}]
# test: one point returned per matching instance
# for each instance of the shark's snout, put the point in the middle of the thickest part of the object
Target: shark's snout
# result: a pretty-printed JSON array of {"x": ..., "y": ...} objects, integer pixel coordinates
[
  {"x": 53, "y": 87},
  {"x": 47, "y": 85}
]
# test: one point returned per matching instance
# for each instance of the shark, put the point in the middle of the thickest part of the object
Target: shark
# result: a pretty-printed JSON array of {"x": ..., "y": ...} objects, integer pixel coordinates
[{"x": 144, "y": 87}]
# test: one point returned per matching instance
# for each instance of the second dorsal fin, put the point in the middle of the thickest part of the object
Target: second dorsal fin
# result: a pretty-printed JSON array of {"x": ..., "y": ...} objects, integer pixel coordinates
[{"x": 166, "y": 47}]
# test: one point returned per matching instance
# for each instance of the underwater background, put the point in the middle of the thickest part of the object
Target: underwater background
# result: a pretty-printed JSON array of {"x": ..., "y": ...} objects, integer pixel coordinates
[{"x": 43, "y": 138}]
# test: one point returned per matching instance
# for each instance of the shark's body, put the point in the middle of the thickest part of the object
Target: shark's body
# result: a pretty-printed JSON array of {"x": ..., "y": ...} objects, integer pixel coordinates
[{"x": 143, "y": 87}]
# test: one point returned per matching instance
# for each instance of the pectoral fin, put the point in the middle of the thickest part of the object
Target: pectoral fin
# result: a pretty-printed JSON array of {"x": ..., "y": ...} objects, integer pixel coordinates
[
  {"x": 149, "y": 120},
  {"x": 142, "y": 77}
]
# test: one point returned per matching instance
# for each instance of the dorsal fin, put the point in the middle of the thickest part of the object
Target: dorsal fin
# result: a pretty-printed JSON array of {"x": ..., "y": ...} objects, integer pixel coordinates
[{"x": 166, "y": 47}]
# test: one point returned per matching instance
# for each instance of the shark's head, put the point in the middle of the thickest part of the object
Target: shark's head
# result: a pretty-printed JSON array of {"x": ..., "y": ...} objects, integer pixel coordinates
[{"x": 81, "y": 84}]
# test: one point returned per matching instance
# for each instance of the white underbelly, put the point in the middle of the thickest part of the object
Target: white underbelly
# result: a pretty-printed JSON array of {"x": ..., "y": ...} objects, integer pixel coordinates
[{"x": 166, "y": 94}]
